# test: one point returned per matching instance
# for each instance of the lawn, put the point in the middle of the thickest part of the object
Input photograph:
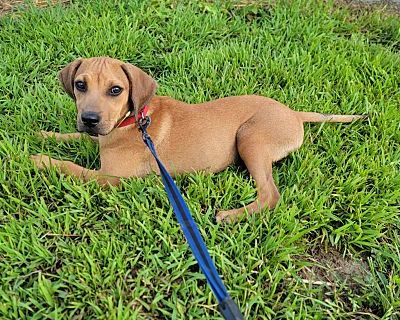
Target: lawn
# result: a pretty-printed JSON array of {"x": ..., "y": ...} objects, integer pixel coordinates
[{"x": 330, "y": 250}]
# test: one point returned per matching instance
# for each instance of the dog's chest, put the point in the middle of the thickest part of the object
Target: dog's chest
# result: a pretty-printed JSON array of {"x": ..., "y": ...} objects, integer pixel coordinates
[{"x": 125, "y": 157}]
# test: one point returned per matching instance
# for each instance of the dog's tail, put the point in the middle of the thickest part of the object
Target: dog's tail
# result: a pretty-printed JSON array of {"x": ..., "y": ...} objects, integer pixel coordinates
[{"x": 323, "y": 117}]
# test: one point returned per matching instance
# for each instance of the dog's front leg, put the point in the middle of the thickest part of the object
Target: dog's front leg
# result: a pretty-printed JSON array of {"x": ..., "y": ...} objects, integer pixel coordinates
[
  {"x": 65, "y": 136},
  {"x": 72, "y": 169}
]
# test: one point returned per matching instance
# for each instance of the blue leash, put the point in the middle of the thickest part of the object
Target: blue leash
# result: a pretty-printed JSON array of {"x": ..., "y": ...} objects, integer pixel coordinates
[{"x": 227, "y": 307}]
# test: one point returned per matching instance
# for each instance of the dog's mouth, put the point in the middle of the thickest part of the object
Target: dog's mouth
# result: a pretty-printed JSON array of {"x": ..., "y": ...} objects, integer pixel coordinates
[
  {"x": 90, "y": 133},
  {"x": 99, "y": 130}
]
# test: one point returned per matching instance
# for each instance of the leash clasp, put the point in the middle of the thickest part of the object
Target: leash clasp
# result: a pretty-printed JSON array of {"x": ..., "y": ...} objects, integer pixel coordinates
[{"x": 143, "y": 124}]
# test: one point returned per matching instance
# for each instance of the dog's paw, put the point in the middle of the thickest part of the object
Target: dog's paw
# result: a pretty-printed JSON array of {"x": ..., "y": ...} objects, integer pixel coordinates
[
  {"x": 42, "y": 161},
  {"x": 227, "y": 216},
  {"x": 46, "y": 134}
]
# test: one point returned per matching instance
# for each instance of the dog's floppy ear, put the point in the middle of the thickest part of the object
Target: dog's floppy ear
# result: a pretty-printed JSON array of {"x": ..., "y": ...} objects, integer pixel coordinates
[
  {"x": 67, "y": 76},
  {"x": 142, "y": 87}
]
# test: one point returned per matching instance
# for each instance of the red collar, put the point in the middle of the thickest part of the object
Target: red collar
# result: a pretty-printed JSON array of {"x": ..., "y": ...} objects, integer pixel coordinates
[{"x": 132, "y": 119}]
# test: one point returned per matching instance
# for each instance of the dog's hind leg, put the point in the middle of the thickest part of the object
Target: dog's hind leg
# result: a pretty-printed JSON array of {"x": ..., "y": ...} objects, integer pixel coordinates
[{"x": 259, "y": 164}]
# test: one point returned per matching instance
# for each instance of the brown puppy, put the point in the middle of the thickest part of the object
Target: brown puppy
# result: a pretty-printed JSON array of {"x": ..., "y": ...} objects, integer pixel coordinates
[{"x": 207, "y": 136}]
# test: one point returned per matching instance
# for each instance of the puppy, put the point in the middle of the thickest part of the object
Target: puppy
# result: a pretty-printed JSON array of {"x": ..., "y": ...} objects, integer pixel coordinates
[{"x": 111, "y": 96}]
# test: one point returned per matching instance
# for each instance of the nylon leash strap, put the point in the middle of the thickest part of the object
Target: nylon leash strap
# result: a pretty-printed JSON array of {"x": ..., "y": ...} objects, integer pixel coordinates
[{"x": 227, "y": 307}]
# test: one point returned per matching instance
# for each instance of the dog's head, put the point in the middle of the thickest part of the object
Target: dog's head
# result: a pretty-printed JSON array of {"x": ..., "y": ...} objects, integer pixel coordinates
[{"x": 105, "y": 90}]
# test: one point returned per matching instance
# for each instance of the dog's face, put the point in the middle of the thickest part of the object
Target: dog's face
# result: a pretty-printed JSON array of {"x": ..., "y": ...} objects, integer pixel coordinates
[{"x": 104, "y": 90}]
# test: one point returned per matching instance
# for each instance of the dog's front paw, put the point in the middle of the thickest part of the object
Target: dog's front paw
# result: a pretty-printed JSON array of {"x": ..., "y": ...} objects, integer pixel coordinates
[
  {"x": 42, "y": 161},
  {"x": 47, "y": 134}
]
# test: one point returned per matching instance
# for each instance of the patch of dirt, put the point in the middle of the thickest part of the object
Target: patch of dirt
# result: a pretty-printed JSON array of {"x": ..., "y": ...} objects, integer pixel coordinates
[
  {"x": 362, "y": 6},
  {"x": 345, "y": 280},
  {"x": 7, "y": 6},
  {"x": 334, "y": 270}
]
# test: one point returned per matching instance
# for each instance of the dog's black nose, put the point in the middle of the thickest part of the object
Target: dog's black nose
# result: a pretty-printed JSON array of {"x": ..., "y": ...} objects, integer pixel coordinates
[{"x": 90, "y": 119}]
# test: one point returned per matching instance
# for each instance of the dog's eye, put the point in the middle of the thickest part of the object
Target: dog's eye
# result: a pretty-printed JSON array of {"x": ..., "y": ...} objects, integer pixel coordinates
[
  {"x": 115, "y": 91},
  {"x": 80, "y": 86}
]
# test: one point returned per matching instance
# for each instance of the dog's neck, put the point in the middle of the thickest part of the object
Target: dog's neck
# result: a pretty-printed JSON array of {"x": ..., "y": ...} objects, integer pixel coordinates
[{"x": 130, "y": 118}]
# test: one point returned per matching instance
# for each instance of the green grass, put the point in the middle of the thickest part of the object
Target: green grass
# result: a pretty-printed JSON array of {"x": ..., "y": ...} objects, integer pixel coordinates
[{"x": 74, "y": 250}]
